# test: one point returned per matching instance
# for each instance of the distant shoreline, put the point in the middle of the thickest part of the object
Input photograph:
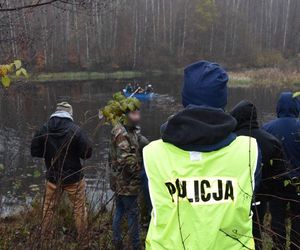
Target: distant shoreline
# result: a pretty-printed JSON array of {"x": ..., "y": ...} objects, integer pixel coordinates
[
  {"x": 86, "y": 75},
  {"x": 245, "y": 78}
]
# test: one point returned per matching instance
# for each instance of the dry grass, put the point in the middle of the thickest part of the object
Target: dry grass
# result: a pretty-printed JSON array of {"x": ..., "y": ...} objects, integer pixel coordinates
[
  {"x": 265, "y": 77},
  {"x": 23, "y": 230}
]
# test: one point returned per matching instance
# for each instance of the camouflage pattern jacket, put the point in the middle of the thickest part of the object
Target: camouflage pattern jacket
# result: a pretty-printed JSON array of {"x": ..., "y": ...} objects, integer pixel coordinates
[{"x": 125, "y": 160}]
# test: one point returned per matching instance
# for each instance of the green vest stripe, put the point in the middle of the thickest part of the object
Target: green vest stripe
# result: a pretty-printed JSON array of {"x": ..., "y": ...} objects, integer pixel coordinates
[{"x": 201, "y": 200}]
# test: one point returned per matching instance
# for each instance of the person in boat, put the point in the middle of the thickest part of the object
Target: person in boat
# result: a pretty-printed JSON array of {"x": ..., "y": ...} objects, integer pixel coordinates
[
  {"x": 138, "y": 89},
  {"x": 63, "y": 144},
  {"x": 148, "y": 89},
  {"x": 201, "y": 173},
  {"x": 136, "y": 86},
  {"x": 273, "y": 166},
  {"x": 129, "y": 88}
]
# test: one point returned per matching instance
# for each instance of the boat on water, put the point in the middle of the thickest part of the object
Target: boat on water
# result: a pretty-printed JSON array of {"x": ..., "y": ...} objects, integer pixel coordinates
[{"x": 145, "y": 96}]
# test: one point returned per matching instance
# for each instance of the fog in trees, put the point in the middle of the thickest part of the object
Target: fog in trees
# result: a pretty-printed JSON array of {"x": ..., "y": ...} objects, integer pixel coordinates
[{"x": 149, "y": 34}]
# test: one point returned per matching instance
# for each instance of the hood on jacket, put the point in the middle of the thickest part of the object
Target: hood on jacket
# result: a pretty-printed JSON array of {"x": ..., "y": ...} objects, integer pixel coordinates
[
  {"x": 58, "y": 126},
  {"x": 245, "y": 114},
  {"x": 200, "y": 129},
  {"x": 287, "y": 105},
  {"x": 62, "y": 114}
]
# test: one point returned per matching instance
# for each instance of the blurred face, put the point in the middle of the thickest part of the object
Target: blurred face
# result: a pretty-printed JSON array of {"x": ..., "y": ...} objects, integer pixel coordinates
[{"x": 134, "y": 117}]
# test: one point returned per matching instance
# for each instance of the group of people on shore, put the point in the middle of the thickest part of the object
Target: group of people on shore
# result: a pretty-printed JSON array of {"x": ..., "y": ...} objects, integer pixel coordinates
[{"x": 212, "y": 176}]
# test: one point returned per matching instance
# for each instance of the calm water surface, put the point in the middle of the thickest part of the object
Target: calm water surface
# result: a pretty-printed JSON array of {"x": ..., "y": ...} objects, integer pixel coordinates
[{"x": 24, "y": 108}]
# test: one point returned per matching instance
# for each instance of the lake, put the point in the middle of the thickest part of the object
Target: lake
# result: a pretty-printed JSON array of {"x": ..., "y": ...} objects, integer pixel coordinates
[{"x": 25, "y": 107}]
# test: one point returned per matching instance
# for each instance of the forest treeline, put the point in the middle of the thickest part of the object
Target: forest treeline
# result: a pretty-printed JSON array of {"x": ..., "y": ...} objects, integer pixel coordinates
[{"x": 149, "y": 34}]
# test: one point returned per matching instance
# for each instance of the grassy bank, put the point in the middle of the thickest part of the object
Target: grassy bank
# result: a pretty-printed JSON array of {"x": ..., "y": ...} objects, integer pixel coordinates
[
  {"x": 265, "y": 77},
  {"x": 85, "y": 75},
  {"x": 22, "y": 231},
  {"x": 80, "y": 76},
  {"x": 251, "y": 77}
]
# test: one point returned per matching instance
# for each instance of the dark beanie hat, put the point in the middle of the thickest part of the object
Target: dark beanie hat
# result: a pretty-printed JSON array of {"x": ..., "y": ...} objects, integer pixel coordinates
[{"x": 205, "y": 83}]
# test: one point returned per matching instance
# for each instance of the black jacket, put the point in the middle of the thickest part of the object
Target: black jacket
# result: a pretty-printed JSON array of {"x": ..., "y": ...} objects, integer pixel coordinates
[
  {"x": 273, "y": 164},
  {"x": 202, "y": 129},
  {"x": 199, "y": 128},
  {"x": 61, "y": 143}
]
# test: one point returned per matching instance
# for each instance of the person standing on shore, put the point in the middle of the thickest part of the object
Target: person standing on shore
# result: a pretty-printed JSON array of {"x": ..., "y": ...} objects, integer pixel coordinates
[
  {"x": 201, "y": 175},
  {"x": 273, "y": 166},
  {"x": 286, "y": 128},
  {"x": 125, "y": 178},
  {"x": 62, "y": 143}
]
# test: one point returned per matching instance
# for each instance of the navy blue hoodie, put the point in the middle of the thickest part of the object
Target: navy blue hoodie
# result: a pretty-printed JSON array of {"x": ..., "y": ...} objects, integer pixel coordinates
[{"x": 287, "y": 129}]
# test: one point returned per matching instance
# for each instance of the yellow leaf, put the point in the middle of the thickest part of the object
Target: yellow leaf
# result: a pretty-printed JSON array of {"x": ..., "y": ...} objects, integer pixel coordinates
[
  {"x": 10, "y": 67},
  {"x": 18, "y": 73},
  {"x": 297, "y": 94},
  {"x": 24, "y": 72},
  {"x": 5, "y": 81},
  {"x": 18, "y": 64},
  {"x": 3, "y": 70}
]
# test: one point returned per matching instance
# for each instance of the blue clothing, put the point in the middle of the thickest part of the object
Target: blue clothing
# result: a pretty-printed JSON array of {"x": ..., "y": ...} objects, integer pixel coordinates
[
  {"x": 126, "y": 205},
  {"x": 278, "y": 207},
  {"x": 287, "y": 129},
  {"x": 205, "y": 83}
]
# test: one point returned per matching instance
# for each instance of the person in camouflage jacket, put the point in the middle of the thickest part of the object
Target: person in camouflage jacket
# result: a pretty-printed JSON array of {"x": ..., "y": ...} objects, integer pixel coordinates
[
  {"x": 125, "y": 177},
  {"x": 124, "y": 157}
]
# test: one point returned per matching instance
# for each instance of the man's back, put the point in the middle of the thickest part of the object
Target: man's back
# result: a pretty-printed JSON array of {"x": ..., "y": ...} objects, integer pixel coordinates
[
  {"x": 286, "y": 128},
  {"x": 211, "y": 190},
  {"x": 271, "y": 150},
  {"x": 201, "y": 176},
  {"x": 61, "y": 143},
  {"x": 201, "y": 200}
]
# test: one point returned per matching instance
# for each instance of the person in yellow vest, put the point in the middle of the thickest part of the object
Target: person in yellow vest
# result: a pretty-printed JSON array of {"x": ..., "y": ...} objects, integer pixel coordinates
[{"x": 201, "y": 175}]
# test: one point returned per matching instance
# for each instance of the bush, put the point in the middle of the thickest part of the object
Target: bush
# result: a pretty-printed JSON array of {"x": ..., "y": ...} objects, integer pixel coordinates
[{"x": 270, "y": 58}]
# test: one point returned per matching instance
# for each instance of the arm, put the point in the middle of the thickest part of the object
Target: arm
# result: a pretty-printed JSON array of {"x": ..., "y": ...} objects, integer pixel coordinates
[
  {"x": 278, "y": 164},
  {"x": 84, "y": 145},
  {"x": 258, "y": 172},
  {"x": 278, "y": 170},
  {"x": 38, "y": 144},
  {"x": 126, "y": 154},
  {"x": 143, "y": 142}
]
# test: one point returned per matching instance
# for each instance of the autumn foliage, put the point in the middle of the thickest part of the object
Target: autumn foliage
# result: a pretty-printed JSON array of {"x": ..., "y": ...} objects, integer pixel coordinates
[{"x": 8, "y": 70}]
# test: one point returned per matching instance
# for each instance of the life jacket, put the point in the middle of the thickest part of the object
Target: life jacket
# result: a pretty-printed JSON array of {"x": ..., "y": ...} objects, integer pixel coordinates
[{"x": 201, "y": 200}]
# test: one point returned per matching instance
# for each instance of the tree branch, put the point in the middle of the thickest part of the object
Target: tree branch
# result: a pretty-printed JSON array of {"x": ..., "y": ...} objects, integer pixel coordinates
[{"x": 38, "y": 4}]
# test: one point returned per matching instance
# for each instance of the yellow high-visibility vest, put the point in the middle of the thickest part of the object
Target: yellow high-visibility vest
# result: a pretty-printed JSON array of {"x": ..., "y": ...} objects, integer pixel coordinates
[{"x": 201, "y": 200}]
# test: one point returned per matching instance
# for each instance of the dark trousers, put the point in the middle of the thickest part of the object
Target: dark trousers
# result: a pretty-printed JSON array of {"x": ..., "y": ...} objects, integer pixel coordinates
[
  {"x": 278, "y": 209},
  {"x": 126, "y": 206}
]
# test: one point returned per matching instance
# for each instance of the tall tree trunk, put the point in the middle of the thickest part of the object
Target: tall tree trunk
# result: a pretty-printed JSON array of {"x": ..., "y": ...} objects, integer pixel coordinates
[
  {"x": 286, "y": 25},
  {"x": 76, "y": 30},
  {"x": 184, "y": 29},
  {"x": 135, "y": 38}
]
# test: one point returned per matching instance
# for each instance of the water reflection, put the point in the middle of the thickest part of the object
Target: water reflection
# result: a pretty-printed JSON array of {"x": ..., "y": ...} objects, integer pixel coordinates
[{"x": 25, "y": 108}]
